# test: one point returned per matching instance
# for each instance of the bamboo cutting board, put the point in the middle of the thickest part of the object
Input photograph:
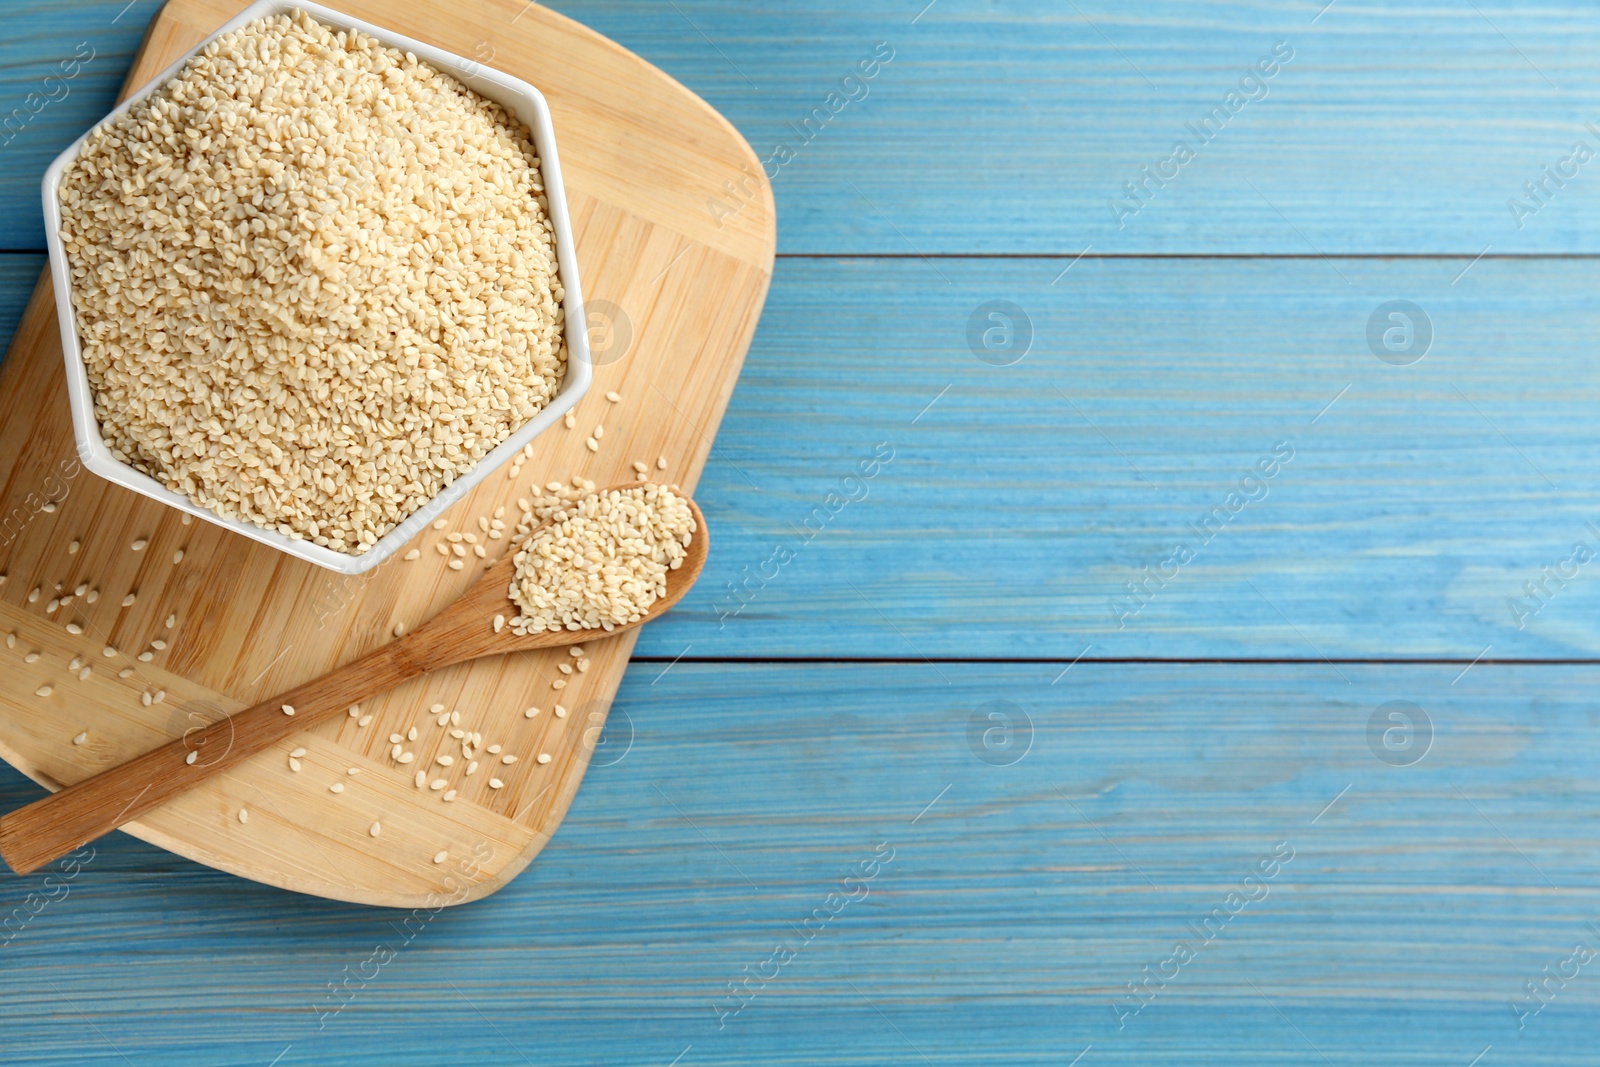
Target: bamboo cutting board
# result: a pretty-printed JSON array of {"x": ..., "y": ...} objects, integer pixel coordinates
[{"x": 675, "y": 268}]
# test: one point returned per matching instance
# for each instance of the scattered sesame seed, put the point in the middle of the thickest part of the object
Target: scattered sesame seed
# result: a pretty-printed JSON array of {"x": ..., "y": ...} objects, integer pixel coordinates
[
  {"x": 377, "y": 828},
  {"x": 172, "y": 620},
  {"x": 298, "y": 752},
  {"x": 508, "y": 759},
  {"x": 33, "y": 595},
  {"x": 411, "y": 734},
  {"x": 336, "y": 787},
  {"x": 575, "y": 651},
  {"x": 599, "y": 432},
  {"x": 74, "y": 628},
  {"x": 407, "y": 757},
  {"x": 177, "y": 557},
  {"x": 437, "y": 784},
  {"x": 640, "y": 468},
  {"x": 72, "y": 549},
  {"x": 613, "y": 396},
  {"x": 458, "y": 734},
  {"x": 583, "y": 666},
  {"x": 192, "y": 756},
  {"x": 442, "y": 548},
  {"x": 83, "y": 587},
  {"x": 471, "y": 767},
  {"x": 126, "y": 672},
  {"x": 456, "y": 564},
  {"x": 77, "y": 661},
  {"x": 661, "y": 463},
  {"x": 159, "y": 645},
  {"x": 483, "y": 523},
  {"x": 441, "y": 856},
  {"x": 83, "y": 675},
  {"x": 569, "y": 420},
  {"x": 395, "y": 739},
  {"x": 449, "y": 795},
  {"x": 244, "y": 813},
  {"x": 559, "y": 683},
  {"x": 591, "y": 444},
  {"x": 146, "y": 657},
  {"x": 399, "y": 629},
  {"x": 31, "y": 657},
  {"x": 495, "y": 783},
  {"x": 353, "y": 770},
  {"x": 564, "y": 668},
  {"x": 355, "y": 710},
  {"x": 444, "y": 761},
  {"x": 128, "y": 600},
  {"x": 363, "y": 720},
  {"x": 287, "y": 710},
  {"x": 144, "y": 698},
  {"x": 453, "y": 537},
  {"x": 138, "y": 546},
  {"x": 415, "y": 553},
  {"x": 441, "y": 720},
  {"x": 455, "y": 718},
  {"x": 439, "y": 524},
  {"x": 49, "y": 609},
  {"x": 186, "y": 519},
  {"x": 81, "y": 738},
  {"x": 93, "y": 595},
  {"x": 494, "y": 750},
  {"x": 294, "y": 765},
  {"x": 478, "y": 550},
  {"x": 530, "y": 713},
  {"x": 421, "y": 779}
]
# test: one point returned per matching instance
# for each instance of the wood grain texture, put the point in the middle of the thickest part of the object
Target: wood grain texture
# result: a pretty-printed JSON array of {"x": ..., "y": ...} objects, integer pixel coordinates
[
  {"x": 1019, "y": 505},
  {"x": 1412, "y": 911},
  {"x": 1006, "y": 128},
  {"x": 254, "y": 623}
]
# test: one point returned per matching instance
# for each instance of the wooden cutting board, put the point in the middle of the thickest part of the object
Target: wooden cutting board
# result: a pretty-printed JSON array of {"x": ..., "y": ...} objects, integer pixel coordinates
[{"x": 675, "y": 267}]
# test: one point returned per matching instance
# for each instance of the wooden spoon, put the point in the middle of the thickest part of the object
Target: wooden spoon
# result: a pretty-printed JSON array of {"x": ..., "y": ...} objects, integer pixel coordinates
[{"x": 47, "y": 829}]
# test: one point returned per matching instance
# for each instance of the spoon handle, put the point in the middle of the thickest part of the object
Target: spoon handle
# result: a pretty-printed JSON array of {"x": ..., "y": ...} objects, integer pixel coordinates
[{"x": 34, "y": 835}]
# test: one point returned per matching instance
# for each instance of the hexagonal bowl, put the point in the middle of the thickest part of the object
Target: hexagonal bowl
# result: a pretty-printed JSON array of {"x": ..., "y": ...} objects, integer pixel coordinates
[{"x": 517, "y": 96}]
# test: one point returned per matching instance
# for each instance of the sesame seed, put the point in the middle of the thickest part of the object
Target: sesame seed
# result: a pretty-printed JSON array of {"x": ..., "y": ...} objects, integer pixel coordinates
[
  {"x": 421, "y": 779},
  {"x": 441, "y": 720},
  {"x": 411, "y": 734},
  {"x": 77, "y": 661},
  {"x": 437, "y": 784},
  {"x": 126, "y": 672},
  {"x": 93, "y": 595},
  {"x": 455, "y": 718},
  {"x": 363, "y": 720},
  {"x": 83, "y": 675},
  {"x": 661, "y": 463},
  {"x": 439, "y": 524},
  {"x": 495, "y": 783},
  {"x": 244, "y": 814},
  {"x": 399, "y": 629},
  {"x": 456, "y": 564},
  {"x": 83, "y": 587},
  {"x": 452, "y": 537},
  {"x": 441, "y": 856},
  {"x": 33, "y": 595},
  {"x": 442, "y": 548},
  {"x": 353, "y": 770},
  {"x": 583, "y": 666},
  {"x": 74, "y": 628},
  {"x": 444, "y": 761},
  {"x": 544, "y": 757},
  {"x": 128, "y": 600},
  {"x": 49, "y": 609},
  {"x": 159, "y": 645},
  {"x": 336, "y": 787},
  {"x": 395, "y": 739},
  {"x": 31, "y": 657},
  {"x": 508, "y": 759},
  {"x": 72, "y": 549},
  {"x": 569, "y": 420},
  {"x": 355, "y": 710},
  {"x": 449, "y": 795},
  {"x": 599, "y": 432},
  {"x": 530, "y": 713},
  {"x": 376, "y": 829},
  {"x": 472, "y": 767},
  {"x": 185, "y": 519},
  {"x": 613, "y": 396},
  {"x": 11, "y": 640},
  {"x": 138, "y": 546},
  {"x": 294, "y": 765},
  {"x": 591, "y": 444},
  {"x": 177, "y": 557},
  {"x": 144, "y": 698},
  {"x": 407, "y": 757},
  {"x": 298, "y": 752},
  {"x": 146, "y": 657},
  {"x": 641, "y": 468},
  {"x": 494, "y": 749},
  {"x": 81, "y": 738},
  {"x": 559, "y": 683},
  {"x": 458, "y": 734},
  {"x": 564, "y": 668},
  {"x": 483, "y": 523},
  {"x": 575, "y": 651},
  {"x": 287, "y": 710},
  {"x": 192, "y": 756},
  {"x": 478, "y": 550},
  {"x": 172, "y": 620},
  {"x": 413, "y": 554}
]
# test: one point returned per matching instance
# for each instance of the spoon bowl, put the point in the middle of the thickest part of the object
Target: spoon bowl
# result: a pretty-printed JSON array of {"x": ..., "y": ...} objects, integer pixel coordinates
[{"x": 50, "y": 828}]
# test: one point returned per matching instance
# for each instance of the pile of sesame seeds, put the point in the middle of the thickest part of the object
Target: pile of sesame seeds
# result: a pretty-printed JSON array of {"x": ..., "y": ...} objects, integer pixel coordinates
[
  {"x": 597, "y": 560},
  {"x": 315, "y": 281}
]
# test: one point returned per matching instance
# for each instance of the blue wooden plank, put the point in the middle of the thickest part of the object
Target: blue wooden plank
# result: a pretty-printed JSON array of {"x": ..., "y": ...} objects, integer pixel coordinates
[
  {"x": 1021, "y": 500},
  {"x": 1027, "y": 886},
  {"x": 61, "y": 65},
  {"x": 1010, "y": 128}
]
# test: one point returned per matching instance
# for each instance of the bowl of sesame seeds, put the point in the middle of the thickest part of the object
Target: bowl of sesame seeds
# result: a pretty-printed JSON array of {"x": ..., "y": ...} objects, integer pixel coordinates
[{"x": 315, "y": 282}]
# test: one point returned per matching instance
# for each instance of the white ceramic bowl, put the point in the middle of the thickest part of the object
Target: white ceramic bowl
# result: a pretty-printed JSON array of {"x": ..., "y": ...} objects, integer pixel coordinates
[{"x": 518, "y": 97}]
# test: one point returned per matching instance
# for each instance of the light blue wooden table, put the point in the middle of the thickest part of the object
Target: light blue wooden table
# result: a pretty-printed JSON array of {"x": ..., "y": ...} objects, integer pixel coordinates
[{"x": 1214, "y": 683}]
